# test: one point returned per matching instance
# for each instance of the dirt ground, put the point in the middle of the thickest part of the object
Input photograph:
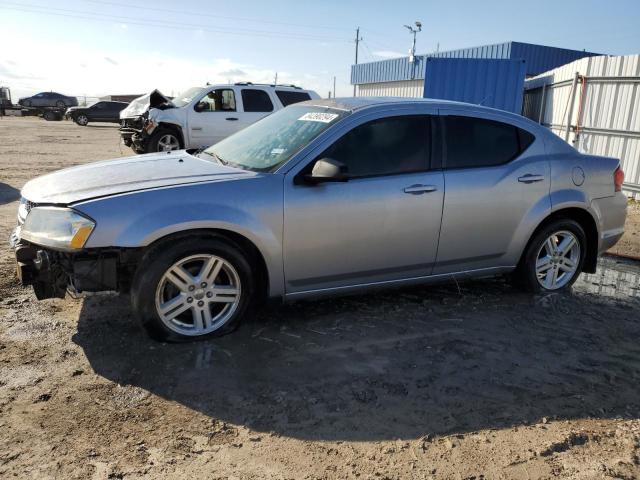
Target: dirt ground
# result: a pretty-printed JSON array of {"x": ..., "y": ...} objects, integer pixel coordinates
[{"x": 476, "y": 381}]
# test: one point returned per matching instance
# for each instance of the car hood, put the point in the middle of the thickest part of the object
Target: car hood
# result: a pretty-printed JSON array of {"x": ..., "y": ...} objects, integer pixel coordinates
[
  {"x": 113, "y": 177},
  {"x": 141, "y": 104}
]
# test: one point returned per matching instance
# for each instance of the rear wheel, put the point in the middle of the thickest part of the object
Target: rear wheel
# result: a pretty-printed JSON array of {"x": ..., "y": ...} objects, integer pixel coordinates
[
  {"x": 554, "y": 258},
  {"x": 163, "y": 140},
  {"x": 60, "y": 104},
  {"x": 196, "y": 288}
]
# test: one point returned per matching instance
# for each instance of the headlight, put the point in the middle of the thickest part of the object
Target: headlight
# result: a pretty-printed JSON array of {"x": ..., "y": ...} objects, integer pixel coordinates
[{"x": 55, "y": 227}]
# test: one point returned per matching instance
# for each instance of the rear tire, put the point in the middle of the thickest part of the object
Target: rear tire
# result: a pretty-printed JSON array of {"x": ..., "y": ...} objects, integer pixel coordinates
[
  {"x": 209, "y": 296},
  {"x": 163, "y": 140},
  {"x": 554, "y": 258},
  {"x": 60, "y": 104}
]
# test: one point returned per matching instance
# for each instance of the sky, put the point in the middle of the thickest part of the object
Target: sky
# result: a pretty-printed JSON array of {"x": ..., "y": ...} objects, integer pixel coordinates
[{"x": 101, "y": 47}]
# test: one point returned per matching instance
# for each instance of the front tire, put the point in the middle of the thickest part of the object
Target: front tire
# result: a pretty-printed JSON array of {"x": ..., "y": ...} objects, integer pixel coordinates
[
  {"x": 554, "y": 257},
  {"x": 196, "y": 288},
  {"x": 81, "y": 120},
  {"x": 163, "y": 140}
]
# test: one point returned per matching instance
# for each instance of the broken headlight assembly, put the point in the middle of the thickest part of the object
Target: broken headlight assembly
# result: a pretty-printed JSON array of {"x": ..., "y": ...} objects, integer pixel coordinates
[{"x": 57, "y": 228}]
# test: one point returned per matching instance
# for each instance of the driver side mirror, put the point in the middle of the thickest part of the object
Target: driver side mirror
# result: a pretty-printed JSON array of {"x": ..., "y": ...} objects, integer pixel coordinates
[
  {"x": 327, "y": 170},
  {"x": 200, "y": 107}
]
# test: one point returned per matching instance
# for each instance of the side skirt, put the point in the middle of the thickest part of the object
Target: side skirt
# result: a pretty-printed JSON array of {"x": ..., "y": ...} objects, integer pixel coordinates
[{"x": 429, "y": 279}]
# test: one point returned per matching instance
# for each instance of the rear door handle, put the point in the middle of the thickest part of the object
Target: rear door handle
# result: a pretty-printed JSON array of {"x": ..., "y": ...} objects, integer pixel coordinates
[
  {"x": 231, "y": 118},
  {"x": 420, "y": 189},
  {"x": 530, "y": 178}
]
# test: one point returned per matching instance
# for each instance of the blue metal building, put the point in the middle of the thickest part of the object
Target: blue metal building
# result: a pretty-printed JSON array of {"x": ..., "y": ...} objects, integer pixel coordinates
[{"x": 399, "y": 77}]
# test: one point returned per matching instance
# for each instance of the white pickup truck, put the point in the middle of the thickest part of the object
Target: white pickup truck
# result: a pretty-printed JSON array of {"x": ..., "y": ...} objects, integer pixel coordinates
[{"x": 201, "y": 116}]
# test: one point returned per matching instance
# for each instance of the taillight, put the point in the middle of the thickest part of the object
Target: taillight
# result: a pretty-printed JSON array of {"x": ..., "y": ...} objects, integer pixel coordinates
[{"x": 618, "y": 179}]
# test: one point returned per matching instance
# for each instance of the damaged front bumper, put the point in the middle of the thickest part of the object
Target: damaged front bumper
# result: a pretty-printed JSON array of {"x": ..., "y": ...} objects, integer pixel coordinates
[{"x": 52, "y": 273}]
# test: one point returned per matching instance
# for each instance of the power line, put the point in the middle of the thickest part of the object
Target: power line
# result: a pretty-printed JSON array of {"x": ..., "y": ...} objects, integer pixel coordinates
[
  {"x": 41, "y": 9},
  {"x": 199, "y": 14}
]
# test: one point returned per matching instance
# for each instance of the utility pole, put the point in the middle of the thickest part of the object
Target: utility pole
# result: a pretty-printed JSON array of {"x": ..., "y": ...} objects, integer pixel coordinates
[
  {"x": 275, "y": 82},
  {"x": 358, "y": 40},
  {"x": 334, "y": 86},
  {"x": 414, "y": 31}
]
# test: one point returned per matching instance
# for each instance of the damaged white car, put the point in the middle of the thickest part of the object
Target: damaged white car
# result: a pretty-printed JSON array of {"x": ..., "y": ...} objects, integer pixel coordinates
[{"x": 201, "y": 116}]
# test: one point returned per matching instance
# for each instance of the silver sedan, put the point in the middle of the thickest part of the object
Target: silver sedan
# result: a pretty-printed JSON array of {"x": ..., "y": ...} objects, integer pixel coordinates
[{"x": 323, "y": 197}]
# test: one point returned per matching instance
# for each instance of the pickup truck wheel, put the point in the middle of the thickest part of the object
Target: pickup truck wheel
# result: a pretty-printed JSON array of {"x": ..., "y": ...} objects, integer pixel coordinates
[
  {"x": 197, "y": 288},
  {"x": 163, "y": 140},
  {"x": 554, "y": 258},
  {"x": 81, "y": 120}
]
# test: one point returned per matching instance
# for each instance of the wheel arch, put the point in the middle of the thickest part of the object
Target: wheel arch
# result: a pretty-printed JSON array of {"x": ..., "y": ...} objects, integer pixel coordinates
[
  {"x": 588, "y": 224},
  {"x": 235, "y": 239}
]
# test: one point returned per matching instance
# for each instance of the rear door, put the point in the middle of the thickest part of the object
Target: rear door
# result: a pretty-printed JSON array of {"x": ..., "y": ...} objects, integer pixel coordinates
[
  {"x": 496, "y": 177},
  {"x": 256, "y": 104}
]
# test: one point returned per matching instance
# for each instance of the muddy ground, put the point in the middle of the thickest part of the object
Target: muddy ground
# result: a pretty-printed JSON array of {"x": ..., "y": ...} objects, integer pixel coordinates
[{"x": 470, "y": 381}]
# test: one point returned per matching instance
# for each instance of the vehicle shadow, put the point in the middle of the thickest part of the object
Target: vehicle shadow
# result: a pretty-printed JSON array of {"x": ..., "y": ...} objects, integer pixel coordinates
[
  {"x": 394, "y": 365},
  {"x": 8, "y": 193}
]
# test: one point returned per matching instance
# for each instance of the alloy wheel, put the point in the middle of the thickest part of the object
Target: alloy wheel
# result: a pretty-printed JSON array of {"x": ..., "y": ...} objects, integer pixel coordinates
[
  {"x": 557, "y": 260},
  {"x": 168, "y": 142},
  {"x": 198, "y": 294},
  {"x": 82, "y": 120}
]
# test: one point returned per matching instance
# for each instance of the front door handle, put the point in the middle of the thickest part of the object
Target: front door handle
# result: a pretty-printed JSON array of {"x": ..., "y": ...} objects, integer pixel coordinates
[
  {"x": 196, "y": 128},
  {"x": 420, "y": 189},
  {"x": 530, "y": 178},
  {"x": 231, "y": 118}
]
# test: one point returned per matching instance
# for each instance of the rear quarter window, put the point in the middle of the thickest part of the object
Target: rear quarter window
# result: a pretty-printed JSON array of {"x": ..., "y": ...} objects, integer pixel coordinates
[{"x": 288, "y": 98}]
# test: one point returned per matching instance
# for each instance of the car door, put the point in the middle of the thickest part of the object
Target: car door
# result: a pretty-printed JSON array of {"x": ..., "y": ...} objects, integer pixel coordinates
[
  {"x": 381, "y": 225},
  {"x": 96, "y": 112},
  {"x": 39, "y": 100},
  {"x": 256, "y": 104},
  {"x": 213, "y": 117},
  {"x": 497, "y": 176}
]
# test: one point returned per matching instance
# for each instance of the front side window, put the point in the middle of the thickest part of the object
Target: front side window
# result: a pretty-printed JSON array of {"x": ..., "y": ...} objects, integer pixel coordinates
[
  {"x": 256, "y": 101},
  {"x": 477, "y": 142},
  {"x": 220, "y": 100},
  {"x": 384, "y": 147},
  {"x": 268, "y": 143}
]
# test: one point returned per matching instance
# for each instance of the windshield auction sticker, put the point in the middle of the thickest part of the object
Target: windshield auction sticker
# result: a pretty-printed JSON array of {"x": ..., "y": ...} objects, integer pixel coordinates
[{"x": 318, "y": 117}]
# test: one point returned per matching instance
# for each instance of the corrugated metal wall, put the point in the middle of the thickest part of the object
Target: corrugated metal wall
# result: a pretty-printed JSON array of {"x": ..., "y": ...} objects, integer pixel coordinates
[
  {"x": 539, "y": 58},
  {"x": 408, "y": 88},
  {"x": 601, "y": 107},
  {"x": 493, "y": 83}
]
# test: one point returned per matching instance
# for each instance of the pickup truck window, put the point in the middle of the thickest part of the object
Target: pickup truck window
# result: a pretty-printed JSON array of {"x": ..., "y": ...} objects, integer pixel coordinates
[
  {"x": 270, "y": 142},
  {"x": 287, "y": 98},
  {"x": 256, "y": 100},
  {"x": 220, "y": 100}
]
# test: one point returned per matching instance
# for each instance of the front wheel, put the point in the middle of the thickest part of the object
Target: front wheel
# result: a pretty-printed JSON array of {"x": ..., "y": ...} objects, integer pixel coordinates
[
  {"x": 554, "y": 258},
  {"x": 194, "y": 289},
  {"x": 163, "y": 141},
  {"x": 82, "y": 120}
]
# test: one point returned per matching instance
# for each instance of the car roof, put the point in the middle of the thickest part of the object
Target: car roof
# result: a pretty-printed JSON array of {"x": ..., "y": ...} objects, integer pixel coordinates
[{"x": 356, "y": 103}]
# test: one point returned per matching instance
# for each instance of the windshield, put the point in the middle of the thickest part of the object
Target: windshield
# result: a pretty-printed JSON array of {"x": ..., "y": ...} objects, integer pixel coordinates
[
  {"x": 267, "y": 144},
  {"x": 185, "y": 97}
]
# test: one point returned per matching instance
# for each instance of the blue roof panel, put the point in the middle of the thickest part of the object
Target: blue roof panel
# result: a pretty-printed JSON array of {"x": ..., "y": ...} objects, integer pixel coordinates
[{"x": 538, "y": 59}]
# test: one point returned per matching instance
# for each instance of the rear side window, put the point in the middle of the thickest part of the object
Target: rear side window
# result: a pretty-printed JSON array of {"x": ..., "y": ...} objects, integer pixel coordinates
[
  {"x": 384, "y": 147},
  {"x": 287, "y": 98},
  {"x": 256, "y": 101},
  {"x": 476, "y": 142}
]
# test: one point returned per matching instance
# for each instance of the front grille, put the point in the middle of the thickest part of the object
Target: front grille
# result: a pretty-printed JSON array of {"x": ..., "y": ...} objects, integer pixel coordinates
[{"x": 131, "y": 123}]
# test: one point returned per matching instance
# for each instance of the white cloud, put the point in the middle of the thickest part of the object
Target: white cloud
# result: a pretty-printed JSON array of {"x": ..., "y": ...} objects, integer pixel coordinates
[
  {"x": 387, "y": 54},
  {"x": 95, "y": 72}
]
